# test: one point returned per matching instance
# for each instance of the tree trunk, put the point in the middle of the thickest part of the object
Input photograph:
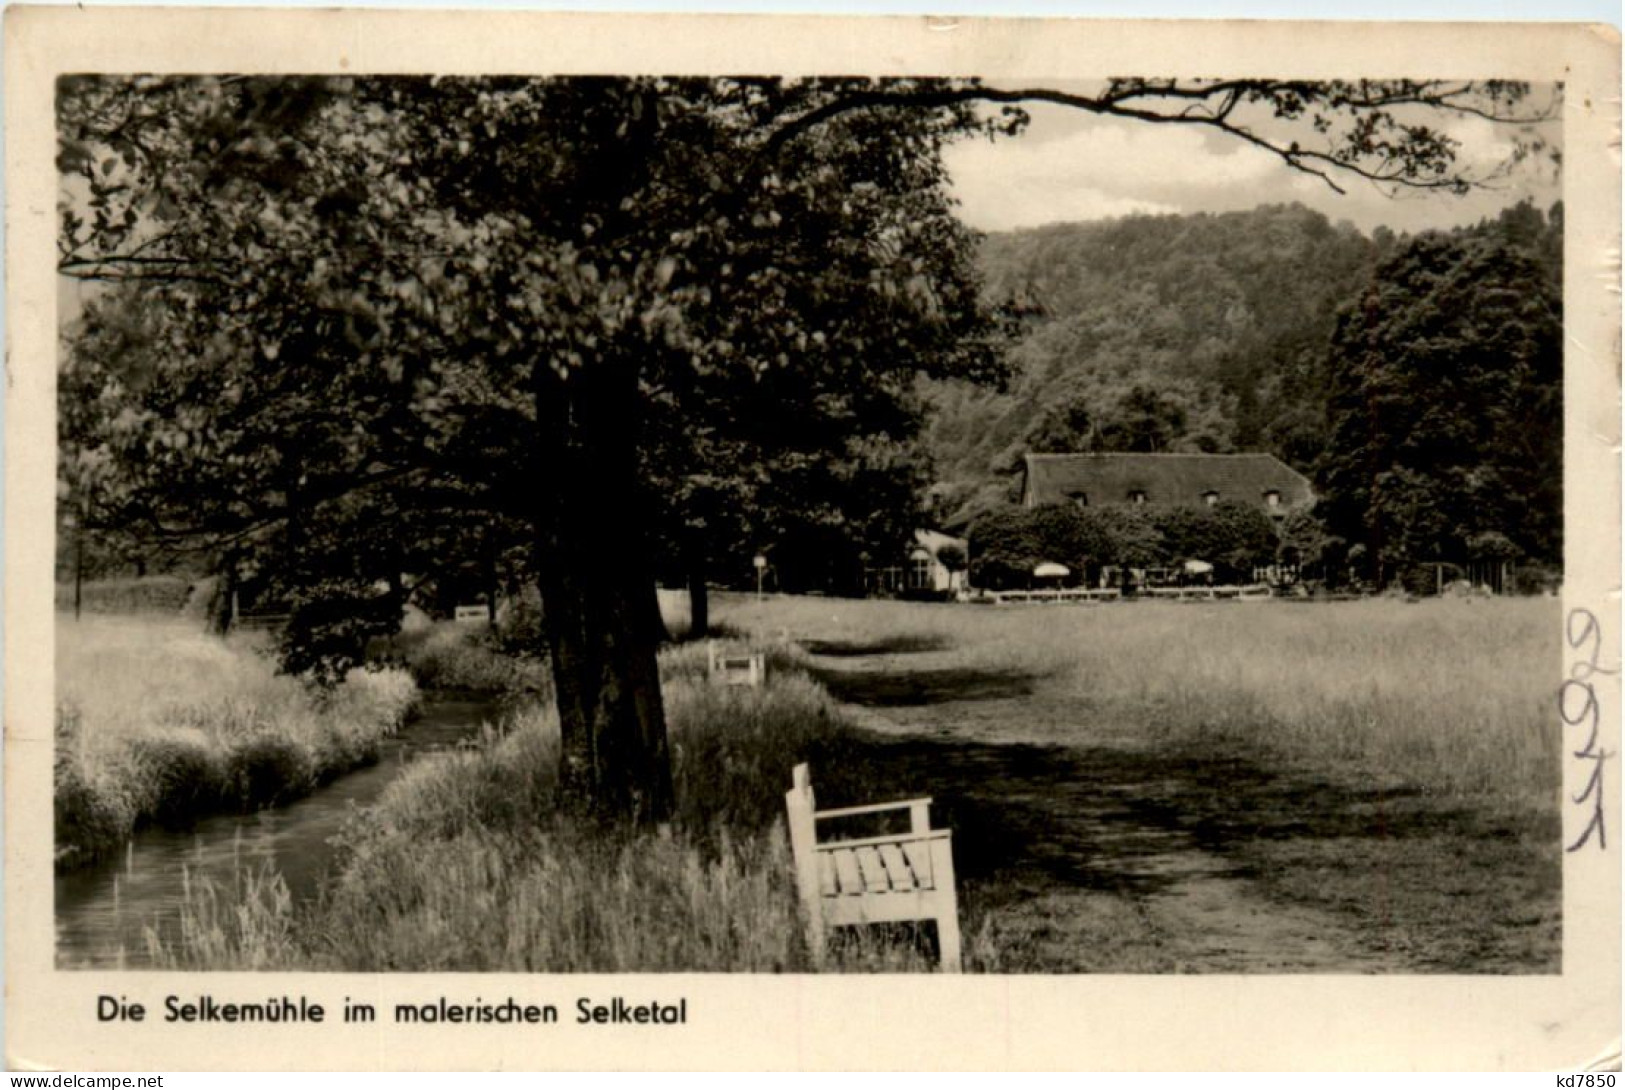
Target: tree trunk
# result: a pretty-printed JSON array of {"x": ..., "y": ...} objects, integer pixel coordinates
[
  {"x": 488, "y": 562},
  {"x": 598, "y": 596},
  {"x": 602, "y": 614},
  {"x": 699, "y": 599},
  {"x": 225, "y": 598},
  {"x": 78, "y": 567}
]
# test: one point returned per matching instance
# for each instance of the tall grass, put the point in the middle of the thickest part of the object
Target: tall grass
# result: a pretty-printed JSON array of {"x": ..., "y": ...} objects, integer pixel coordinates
[
  {"x": 1456, "y": 696},
  {"x": 470, "y": 863},
  {"x": 158, "y": 722},
  {"x": 247, "y": 925}
]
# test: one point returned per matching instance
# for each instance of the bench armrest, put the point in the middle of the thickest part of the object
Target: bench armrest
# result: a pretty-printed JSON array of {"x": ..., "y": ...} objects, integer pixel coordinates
[
  {"x": 876, "y": 808},
  {"x": 876, "y": 841}
]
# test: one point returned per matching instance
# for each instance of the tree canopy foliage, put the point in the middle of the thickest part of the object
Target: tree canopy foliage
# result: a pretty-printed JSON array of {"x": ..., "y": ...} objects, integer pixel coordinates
[
  {"x": 1445, "y": 417},
  {"x": 355, "y": 329},
  {"x": 1007, "y": 544}
]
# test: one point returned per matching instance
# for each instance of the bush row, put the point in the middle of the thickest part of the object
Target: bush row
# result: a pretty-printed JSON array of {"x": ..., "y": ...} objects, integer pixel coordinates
[
  {"x": 470, "y": 658},
  {"x": 1007, "y": 544}
]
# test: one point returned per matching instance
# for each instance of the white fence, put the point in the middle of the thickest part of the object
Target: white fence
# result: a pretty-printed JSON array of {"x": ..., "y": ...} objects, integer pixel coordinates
[
  {"x": 1257, "y": 592},
  {"x": 1059, "y": 594}
]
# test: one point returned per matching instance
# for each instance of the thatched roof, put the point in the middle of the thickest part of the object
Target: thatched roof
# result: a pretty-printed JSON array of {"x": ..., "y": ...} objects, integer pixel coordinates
[{"x": 1184, "y": 479}]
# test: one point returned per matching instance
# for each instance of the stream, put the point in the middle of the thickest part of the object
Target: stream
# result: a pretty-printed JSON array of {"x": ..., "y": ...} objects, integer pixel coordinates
[{"x": 102, "y": 911}]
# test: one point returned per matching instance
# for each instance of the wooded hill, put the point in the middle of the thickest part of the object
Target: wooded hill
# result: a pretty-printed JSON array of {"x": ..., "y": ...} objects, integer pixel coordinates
[{"x": 1177, "y": 333}]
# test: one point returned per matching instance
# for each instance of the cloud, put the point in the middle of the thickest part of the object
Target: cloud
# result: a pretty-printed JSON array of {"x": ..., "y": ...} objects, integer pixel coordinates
[
  {"x": 1106, "y": 168},
  {"x": 1072, "y": 166},
  {"x": 998, "y": 206}
]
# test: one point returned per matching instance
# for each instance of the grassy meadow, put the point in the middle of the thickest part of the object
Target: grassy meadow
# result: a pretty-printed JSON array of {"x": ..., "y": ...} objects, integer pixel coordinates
[
  {"x": 158, "y": 722},
  {"x": 1381, "y": 778},
  {"x": 1454, "y": 695},
  {"x": 1365, "y": 786}
]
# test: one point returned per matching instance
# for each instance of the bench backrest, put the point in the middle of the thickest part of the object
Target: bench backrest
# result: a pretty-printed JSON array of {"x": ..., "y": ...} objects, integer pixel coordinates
[
  {"x": 798, "y": 807},
  {"x": 740, "y": 669}
]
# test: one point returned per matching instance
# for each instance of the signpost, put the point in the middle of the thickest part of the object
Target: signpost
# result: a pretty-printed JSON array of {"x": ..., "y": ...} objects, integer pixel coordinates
[{"x": 761, "y": 566}]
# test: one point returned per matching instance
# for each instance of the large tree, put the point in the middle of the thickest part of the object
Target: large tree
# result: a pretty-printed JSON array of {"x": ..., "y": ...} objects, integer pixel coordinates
[
  {"x": 1445, "y": 410},
  {"x": 363, "y": 306}
]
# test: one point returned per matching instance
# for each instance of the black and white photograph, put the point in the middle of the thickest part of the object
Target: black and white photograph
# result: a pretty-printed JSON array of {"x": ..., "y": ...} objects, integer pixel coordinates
[{"x": 762, "y": 522}]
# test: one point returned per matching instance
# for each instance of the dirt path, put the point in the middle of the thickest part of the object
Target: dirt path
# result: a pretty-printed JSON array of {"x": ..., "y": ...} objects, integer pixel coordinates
[{"x": 1093, "y": 855}]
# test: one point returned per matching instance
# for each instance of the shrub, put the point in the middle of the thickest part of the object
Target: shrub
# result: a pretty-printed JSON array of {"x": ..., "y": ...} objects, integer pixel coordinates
[
  {"x": 519, "y": 628},
  {"x": 181, "y": 773},
  {"x": 157, "y": 722},
  {"x": 1420, "y": 580},
  {"x": 1536, "y": 579},
  {"x": 1006, "y": 545},
  {"x": 1241, "y": 538},
  {"x": 91, "y": 818},
  {"x": 269, "y": 769},
  {"x": 466, "y": 657}
]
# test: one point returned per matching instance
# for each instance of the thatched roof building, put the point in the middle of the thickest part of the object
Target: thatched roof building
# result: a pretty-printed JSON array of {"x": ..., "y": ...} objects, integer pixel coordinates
[{"x": 1190, "y": 480}]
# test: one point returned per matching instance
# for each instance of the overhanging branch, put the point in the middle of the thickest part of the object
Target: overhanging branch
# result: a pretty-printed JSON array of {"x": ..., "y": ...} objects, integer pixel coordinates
[{"x": 1417, "y": 160}]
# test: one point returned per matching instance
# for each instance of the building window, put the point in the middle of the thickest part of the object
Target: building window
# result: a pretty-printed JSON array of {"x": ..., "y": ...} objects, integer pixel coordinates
[
  {"x": 1136, "y": 496},
  {"x": 1210, "y": 497},
  {"x": 1272, "y": 498},
  {"x": 919, "y": 573},
  {"x": 1079, "y": 499}
]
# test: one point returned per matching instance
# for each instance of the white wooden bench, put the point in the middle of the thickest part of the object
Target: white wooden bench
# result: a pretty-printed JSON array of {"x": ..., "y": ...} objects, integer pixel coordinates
[
  {"x": 739, "y": 669},
  {"x": 877, "y": 879}
]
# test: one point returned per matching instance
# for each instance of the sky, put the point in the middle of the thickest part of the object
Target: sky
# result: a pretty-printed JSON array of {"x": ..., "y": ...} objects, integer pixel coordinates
[{"x": 1072, "y": 166}]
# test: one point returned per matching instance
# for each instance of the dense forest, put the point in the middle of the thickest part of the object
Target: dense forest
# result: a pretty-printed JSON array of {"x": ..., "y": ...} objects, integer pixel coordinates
[
  {"x": 1416, "y": 379},
  {"x": 1263, "y": 331}
]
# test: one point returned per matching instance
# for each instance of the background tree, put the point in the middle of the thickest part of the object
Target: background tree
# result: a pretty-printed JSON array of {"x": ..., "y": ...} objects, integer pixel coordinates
[
  {"x": 1304, "y": 543},
  {"x": 1065, "y": 427},
  {"x": 953, "y": 557},
  {"x": 1445, "y": 409},
  {"x": 1243, "y": 538},
  {"x": 1143, "y": 421}
]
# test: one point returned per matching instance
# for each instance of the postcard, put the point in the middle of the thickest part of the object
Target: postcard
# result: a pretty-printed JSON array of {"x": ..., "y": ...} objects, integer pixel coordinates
[{"x": 544, "y": 541}]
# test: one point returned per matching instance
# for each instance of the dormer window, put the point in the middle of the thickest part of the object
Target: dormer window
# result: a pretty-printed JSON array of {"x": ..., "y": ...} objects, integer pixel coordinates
[
  {"x": 1136, "y": 496},
  {"x": 1210, "y": 497},
  {"x": 1079, "y": 499},
  {"x": 1272, "y": 499}
]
